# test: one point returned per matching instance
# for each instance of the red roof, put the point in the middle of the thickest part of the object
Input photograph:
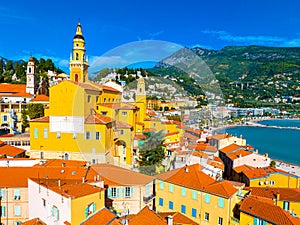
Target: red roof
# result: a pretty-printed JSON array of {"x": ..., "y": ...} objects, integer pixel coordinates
[
  {"x": 222, "y": 188},
  {"x": 263, "y": 172},
  {"x": 110, "y": 89},
  {"x": 103, "y": 216},
  {"x": 189, "y": 176},
  {"x": 85, "y": 85},
  {"x": 238, "y": 154},
  {"x": 178, "y": 218},
  {"x": 284, "y": 194},
  {"x": 35, "y": 221},
  {"x": 12, "y": 88},
  {"x": 230, "y": 148},
  {"x": 9, "y": 150},
  {"x": 140, "y": 136},
  {"x": 40, "y": 98},
  {"x": 124, "y": 106},
  {"x": 120, "y": 124},
  {"x": 147, "y": 217},
  {"x": 268, "y": 212},
  {"x": 98, "y": 119},
  {"x": 205, "y": 147},
  {"x": 41, "y": 119}
]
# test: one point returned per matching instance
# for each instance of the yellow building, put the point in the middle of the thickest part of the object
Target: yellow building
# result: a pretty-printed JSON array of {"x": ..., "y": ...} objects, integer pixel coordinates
[
  {"x": 286, "y": 198},
  {"x": 190, "y": 191},
  {"x": 257, "y": 211},
  {"x": 63, "y": 201},
  {"x": 269, "y": 177}
]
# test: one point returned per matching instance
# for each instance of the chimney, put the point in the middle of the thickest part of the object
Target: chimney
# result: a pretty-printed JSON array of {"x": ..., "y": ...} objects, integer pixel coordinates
[
  {"x": 170, "y": 220},
  {"x": 278, "y": 196},
  {"x": 186, "y": 169},
  {"x": 83, "y": 180},
  {"x": 266, "y": 155},
  {"x": 256, "y": 151},
  {"x": 58, "y": 183},
  {"x": 63, "y": 164}
]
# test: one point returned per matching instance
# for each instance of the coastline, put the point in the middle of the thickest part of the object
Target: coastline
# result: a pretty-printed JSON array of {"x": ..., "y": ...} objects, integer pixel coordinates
[{"x": 291, "y": 168}]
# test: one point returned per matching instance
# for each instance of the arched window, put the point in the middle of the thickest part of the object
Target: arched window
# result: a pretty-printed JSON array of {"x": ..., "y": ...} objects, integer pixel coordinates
[
  {"x": 77, "y": 56},
  {"x": 29, "y": 70},
  {"x": 66, "y": 156},
  {"x": 76, "y": 77}
]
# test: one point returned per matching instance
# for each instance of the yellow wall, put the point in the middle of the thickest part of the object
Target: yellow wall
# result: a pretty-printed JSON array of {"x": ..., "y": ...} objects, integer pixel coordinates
[
  {"x": 293, "y": 206},
  {"x": 68, "y": 143},
  {"x": 78, "y": 206},
  {"x": 280, "y": 180},
  {"x": 199, "y": 204}
]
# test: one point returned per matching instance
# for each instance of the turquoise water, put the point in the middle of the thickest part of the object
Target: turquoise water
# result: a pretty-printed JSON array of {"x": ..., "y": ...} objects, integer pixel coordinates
[{"x": 281, "y": 144}]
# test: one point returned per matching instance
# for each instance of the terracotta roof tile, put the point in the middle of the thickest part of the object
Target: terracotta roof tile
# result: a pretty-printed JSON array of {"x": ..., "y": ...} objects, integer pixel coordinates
[
  {"x": 85, "y": 86},
  {"x": 190, "y": 177},
  {"x": 242, "y": 168},
  {"x": 263, "y": 172},
  {"x": 40, "y": 98},
  {"x": 139, "y": 136},
  {"x": 120, "y": 124},
  {"x": 205, "y": 147},
  {"x": 230, "y": 148},
  {"x": 12, "y": 88},
  {"x": 222, "y": 188},
  {"x": 122, "y": 106},
  {"x": 110, "y": 89},
  {"x": 103, "y": 216},
  {"x": 98, "y": 119},
  {"x": 69, "y": 188},
  {"x": 140, "y": 123},
  {"x": 41, "y": 119},
  {"x": 178, "y": 218},
  {"x": 285, "y": 194},
  {"x": 9, "y": 150},
  {"x": 268, "y": 212},
  {"x": 238, "y": 154},
  {"x": 220, "y": 136},
  {"x": 147, "y": 217},
  {"x": 121, "y": 176},
  {"x": 35, "y": 221}
]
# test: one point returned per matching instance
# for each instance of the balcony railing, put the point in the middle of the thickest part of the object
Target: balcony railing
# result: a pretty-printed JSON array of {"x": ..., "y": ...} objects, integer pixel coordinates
[{"x": 149, "y": 198}]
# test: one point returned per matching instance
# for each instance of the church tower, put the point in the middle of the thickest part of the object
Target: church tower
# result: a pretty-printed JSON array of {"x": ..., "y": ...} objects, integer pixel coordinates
[
  {"x": 30, "y": 77},
  {"x": 78, "y": 61},
  {"x": 140, "y": 98}
]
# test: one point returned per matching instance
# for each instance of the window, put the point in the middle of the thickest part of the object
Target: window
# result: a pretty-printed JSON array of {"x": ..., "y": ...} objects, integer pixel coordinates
[
  {"x": 94, "y": 150},
  {"x": 17, "y": 223},
  {"x": 104, "y": 100},
  {"x": 35, "y": 133},
  {"x": 58, "y": 134},
  {"x": 104, "y": 113},
  {"x": 122, "y": 132},
  {"x": 113, "y": 192},
  {"x": 194, "y": 212},
  {"x": 161, "y": 201},
  {"x": 258, "y": 221},
  {"x": 74, "y": 135},
  {"x": 45, "y": 133},
  {"x": 272, "y": 182},
  {"x": 3, "y": 212},
  {"x": 55, "y": 212},
  {"x": 90, "y": 209},
  {"x": 124, "y": 113},
  {"x": 128, "y": 192},
  {"x": 42, "y": 155},
  {"x": 2, "y": 194},
  {"x": 87, "y": 135},
  {"x": 66, "y": 156},
  {"x": 286, "y": 205},
  {"x": 44, "y": 202},
  {"x": 88, "y": 98},
  {"x": 97, "y": 99},
  {"x": 207, "y": 198},
  {"x": 194, "y": 194},
  {"x": 98, "y": 136},
  {"x": 77, "y": 56},
  {"x": 108, "y": 99},
  {"x": 4, "y": 118},
  {"x": 161, "y": 185},
  {"x": 171, "y": 205},
  {"x": 171, "y": 187},
  {"x": 206, "y": 216},
  {"x": 148, "y": 186},
  {"x": 221, "y": 202},
  {"x": 183, "y": 209},
  {"x": 183, "y": 191},
  {"x": 17, "y": 210},
  {"x": 220, "y": 221},
  {"x": 17, "y": 194}
]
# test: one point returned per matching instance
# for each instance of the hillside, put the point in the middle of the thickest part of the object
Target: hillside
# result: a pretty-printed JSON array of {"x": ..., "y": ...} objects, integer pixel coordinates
[{"x": 247, "y": 75}]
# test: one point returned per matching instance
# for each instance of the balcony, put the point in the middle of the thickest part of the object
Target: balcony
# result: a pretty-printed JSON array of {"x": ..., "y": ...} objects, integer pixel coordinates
[{"x": 149, "y": 198}]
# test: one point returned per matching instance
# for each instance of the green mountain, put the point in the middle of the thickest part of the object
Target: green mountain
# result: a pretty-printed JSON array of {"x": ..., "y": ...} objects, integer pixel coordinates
[{"x": 248, "y": 75}]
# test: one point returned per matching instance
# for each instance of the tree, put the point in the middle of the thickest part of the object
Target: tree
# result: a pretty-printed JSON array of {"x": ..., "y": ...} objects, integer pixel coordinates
[
  {"x": 35, "y": 110},
  {"x": 151, "y": 153},
  {"x": 24, "y": 119},
  {"x": 273, "y": 164}
]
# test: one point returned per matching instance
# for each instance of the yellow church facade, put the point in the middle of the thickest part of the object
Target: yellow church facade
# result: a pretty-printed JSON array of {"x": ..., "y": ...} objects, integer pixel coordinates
[{"x": 89, "y": 121}]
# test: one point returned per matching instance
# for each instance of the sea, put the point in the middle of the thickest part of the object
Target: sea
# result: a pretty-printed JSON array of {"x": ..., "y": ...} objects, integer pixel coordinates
[{"x": 280, "y": 143}]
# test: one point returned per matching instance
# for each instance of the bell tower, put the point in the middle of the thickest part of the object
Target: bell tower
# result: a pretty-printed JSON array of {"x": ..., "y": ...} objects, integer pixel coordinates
[
  {"x": 78, "y": 60},
  {"x": 140, "y": 99},
  {"x": 30, "y": 77}
]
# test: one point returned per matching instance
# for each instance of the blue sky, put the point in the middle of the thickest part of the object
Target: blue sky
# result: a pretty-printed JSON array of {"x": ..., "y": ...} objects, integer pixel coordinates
[{"x": 46, "y": 29}]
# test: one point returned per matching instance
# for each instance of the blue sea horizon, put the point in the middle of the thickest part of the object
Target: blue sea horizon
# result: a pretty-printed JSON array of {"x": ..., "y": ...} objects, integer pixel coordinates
[{"x": 280, "y": 144}]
